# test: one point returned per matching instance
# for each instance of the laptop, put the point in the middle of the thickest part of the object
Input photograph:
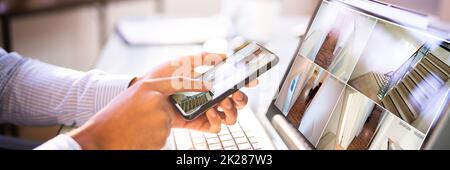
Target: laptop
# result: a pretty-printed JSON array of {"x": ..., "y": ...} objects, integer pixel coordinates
[{"x": 366, "y": 75}]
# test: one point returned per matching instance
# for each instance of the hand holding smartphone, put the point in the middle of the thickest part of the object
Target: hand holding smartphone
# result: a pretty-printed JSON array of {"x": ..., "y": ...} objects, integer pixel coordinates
[{"x": 248, "y": 63}]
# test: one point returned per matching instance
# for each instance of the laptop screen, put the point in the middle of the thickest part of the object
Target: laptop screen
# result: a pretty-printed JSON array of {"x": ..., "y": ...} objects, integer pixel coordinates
[{"x": 361, "y": 82}]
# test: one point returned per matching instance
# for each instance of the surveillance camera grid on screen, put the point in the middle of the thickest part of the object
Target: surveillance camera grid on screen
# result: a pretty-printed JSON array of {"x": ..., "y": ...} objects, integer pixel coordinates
[{"x": 360, "y": 82}]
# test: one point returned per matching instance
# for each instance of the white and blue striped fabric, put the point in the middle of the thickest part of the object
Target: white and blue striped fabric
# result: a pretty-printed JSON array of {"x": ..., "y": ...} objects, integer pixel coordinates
[{"x": 38, "y": 94}]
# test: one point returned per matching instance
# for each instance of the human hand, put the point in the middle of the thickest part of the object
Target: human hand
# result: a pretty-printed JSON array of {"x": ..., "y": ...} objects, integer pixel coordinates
[
  {"x": 139, "y": 118},
  {"x": 212, "y": 120},
  {"x": 142, "y": 116}
]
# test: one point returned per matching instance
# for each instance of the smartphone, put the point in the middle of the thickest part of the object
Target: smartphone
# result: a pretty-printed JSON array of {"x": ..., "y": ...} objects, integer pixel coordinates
[{"x": 250, "y": 61}]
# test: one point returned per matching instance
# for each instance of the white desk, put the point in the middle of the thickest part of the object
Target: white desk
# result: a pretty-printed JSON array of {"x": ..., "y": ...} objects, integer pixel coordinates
[{"x": 119, "y": 58}]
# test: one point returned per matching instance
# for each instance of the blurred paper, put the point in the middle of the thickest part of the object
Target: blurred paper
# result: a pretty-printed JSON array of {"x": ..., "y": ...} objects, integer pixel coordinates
[{"x": 163, "y": 31}]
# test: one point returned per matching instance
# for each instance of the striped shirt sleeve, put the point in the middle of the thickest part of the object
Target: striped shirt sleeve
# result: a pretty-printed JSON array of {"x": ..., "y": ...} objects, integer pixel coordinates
[
  {"x": 60, "y": 142},
  {"x": 39, "y": 94}
]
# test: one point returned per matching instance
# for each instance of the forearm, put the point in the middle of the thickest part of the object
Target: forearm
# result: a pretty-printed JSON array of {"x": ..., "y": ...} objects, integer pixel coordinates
[{"x": 43, "y": 94}]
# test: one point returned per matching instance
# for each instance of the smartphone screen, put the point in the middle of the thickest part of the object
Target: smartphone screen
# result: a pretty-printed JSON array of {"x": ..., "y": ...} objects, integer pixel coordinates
[{"x": 226, "y": 77}]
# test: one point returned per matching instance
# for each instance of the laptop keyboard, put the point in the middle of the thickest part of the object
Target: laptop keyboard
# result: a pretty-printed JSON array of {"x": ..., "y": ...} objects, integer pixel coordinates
[{"x": 232, "y": 137}]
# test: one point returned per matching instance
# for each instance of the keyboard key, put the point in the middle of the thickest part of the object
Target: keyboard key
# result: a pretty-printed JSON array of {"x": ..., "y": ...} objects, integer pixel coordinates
[
  {"x": 223, "y": 126},
  {"x": 235, "y": 128},
  {"x": 183, "y": 140},
  {"x": 238, "y": 134},
  {"x": 183, "y": 136},
  {"x": 224, "y": 131},
  {"x": 225, "y": 137},
  {"x": 232, "y": 137},
  {"x": 216, "y": 146},
  {"x": 256, "y": 145},
  {"x": 249, "y": 134},
  {"x": 201, "y": 146},
  {"x": 253, "y": 139},
  {"x": 210, "y": 135},
  {"x": 197, "y": 134},
  {"x": 184, "y": 145},
  {"x": 228, "y": 143},
  {"x": 245, "y": 127},
  {"x": 198, "y": 140},
  {"x": 241, "y": 140},
  {"x": 213, "y": 140},
  {"x": 245, "y": 146},
  {"x": 231, "y": 148}
]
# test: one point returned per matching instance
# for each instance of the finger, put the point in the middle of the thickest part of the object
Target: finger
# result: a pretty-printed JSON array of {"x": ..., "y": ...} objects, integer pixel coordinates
[
  {"x": 171, "y": 85},
  {"x": 252, "y": 83},
  {"x": 200, "y": 123},
  {"x": 230, "y": 111},
  {"x": 196, "y": 74},
  {"x": 214, "y": 120},
  {"x": 239, "y": 99}
]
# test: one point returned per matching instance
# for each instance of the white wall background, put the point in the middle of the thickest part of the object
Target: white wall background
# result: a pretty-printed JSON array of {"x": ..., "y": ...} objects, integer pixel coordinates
[
  {"x": 73, "y": 38},
  {"x": 67, "y": 38}
]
